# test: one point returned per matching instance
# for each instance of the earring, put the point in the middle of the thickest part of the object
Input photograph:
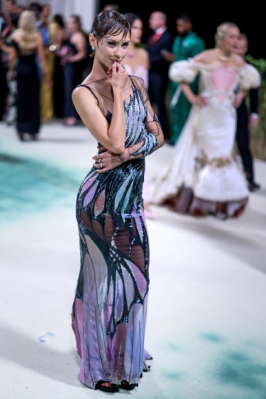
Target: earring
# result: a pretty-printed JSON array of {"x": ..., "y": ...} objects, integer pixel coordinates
[{"x": 92, "y": 47}]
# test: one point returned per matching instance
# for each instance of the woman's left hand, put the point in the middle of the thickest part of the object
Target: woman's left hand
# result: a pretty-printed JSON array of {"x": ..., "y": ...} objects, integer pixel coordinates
[
  {"x": 239, "y": 98},
  {"x": 107, "y": 160},
  {"x": 48, "y": 81}
]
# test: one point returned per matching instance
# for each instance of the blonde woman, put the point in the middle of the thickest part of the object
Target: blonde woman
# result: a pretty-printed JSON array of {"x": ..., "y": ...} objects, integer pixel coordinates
[
  {"x": 203, "y": 177},
  {"x": 26, "y": 46}
]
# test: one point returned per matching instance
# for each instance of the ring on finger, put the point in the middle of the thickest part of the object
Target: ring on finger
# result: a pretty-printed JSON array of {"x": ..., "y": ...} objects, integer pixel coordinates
[{"x": 101, "y": 165}]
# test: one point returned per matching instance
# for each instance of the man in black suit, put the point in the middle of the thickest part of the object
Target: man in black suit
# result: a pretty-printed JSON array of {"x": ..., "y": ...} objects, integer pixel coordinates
[
  {"x": 245, "y": 123},
  {"x": 160, "y": 41}
]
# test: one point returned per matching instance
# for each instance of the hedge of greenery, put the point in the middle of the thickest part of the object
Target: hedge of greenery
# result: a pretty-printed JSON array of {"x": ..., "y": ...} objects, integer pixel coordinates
[{"x": 258, "y": 136}]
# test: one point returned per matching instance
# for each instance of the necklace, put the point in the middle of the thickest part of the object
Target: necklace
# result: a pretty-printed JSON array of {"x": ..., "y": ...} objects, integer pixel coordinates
[{"x": 222, "y": 58}]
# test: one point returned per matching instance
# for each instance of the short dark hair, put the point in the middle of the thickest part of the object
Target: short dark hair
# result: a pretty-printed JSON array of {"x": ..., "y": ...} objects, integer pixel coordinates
[
  {"x": 243, "y": 36},
  {"x": 14, "y": 20},
  {"x": 185, "y": 18},
  {"x": 131, "y": 17},
  {"x": 109, "y": 23},
  {"x": 60, "y": 20},
  {"x": 109, "y": 7}
]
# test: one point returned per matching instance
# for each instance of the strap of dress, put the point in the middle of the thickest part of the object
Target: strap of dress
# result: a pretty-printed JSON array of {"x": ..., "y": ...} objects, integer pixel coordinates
[{"x": 94, "y": 95}]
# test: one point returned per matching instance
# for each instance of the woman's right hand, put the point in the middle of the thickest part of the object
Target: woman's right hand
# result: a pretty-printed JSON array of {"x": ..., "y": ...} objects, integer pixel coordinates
[
  {"x": 106, "y": 160},
  {"x": 118, "y": 75},
  {"x": 199, "y": 101}
]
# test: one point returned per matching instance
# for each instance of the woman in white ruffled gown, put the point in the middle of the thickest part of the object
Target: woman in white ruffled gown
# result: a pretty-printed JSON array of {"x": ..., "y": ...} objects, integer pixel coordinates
[{"x": 203, "y": 176}]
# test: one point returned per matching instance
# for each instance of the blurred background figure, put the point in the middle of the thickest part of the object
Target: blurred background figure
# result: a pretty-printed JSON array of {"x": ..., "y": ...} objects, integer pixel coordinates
[
  {"x": 20, "y": 8},
  {"x": 26, "y": 43},
  {"x": 203, "y": 177},
  {"x": 247, "y": 119},
  {"x": 6, "y": 18},
  {"x": 186, "y": 45},
  {"x": 10, "y": 102},
  {"x": 73, "y": 59},
  {"x": 136, "y": 63},
  {"x": 160, "y": 41},
  {"x": 37, "y": 9},
  {"x": 48, "y": 30},
  {"x": 110, "y": 7},
  {"x": 58, "y": 86},
  {"x": 10, "y": 10}
]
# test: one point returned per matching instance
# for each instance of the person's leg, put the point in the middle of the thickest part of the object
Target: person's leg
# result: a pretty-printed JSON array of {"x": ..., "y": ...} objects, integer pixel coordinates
[{"x": 242, "y": 139}]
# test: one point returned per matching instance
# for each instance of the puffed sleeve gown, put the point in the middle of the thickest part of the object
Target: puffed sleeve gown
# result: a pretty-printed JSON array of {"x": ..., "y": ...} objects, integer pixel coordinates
[{"x": 204, "y": 177}]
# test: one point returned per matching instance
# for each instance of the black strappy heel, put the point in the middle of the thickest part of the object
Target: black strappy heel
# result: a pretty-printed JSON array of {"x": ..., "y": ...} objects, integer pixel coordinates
[
  {"x": 128, "y": 387},
  {"x": 112, "y": 389}
]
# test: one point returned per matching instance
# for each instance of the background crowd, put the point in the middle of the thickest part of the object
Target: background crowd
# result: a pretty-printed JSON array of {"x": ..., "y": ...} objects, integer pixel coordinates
[{"x": 43, "y": 57}]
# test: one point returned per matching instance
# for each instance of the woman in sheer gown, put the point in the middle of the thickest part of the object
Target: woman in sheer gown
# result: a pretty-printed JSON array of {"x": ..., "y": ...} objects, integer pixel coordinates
[
  {"x": 110, "y": 305},
  {"x": 203, "y": 177}
]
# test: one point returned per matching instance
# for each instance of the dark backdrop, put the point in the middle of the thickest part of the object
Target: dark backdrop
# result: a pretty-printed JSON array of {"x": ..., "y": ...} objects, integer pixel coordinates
[{"x": 248, "y": 16}]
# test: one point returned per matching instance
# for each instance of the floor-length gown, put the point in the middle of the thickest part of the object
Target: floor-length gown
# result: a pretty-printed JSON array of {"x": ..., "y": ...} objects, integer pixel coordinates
[
  {"x": 28, "y": 91},
  {"x": 58, "y": 88},
  {"x": 72, "y": 75},
  {"x": 110, "y": 306},
  {"x": 203, "y": 176}
]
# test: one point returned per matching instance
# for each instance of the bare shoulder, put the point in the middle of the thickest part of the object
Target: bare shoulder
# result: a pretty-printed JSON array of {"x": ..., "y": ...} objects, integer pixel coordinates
[
  {"x": 143, "y": 56},
  {"x": 82, "y": 95},
  {"x": 77, "y": 37},
  {"x": 15, "y": 35},
  {"x": 204, "y": 57},
  {"x": 138, "y": 81},
  {"x": 237, "y": 60},
  {"x": 143, "y": 52}
]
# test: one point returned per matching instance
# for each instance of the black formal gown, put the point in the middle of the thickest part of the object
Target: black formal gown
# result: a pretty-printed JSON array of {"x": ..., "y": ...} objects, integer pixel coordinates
[
  {"x": 28, "y": 91},
  {"x": 58, "y": 88},
  {"x": 72, "y": 75}
]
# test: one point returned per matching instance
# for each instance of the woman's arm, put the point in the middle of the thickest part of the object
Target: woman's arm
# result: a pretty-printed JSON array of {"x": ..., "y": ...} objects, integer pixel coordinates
[
  {"x": 241, "y": 94},
  {"x": 192, "y": 98},
  {"x": 12, "y": 56},
  {"x": 42, "y": 59},
  {"x": 79, "y": 41},
  {"x": 152, "y": 140},
  {"x": 110, "y": 136}
]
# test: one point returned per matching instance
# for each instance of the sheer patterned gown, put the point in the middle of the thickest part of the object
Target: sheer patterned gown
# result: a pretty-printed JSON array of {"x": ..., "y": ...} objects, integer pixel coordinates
[{"x": 110, "y": 306}]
